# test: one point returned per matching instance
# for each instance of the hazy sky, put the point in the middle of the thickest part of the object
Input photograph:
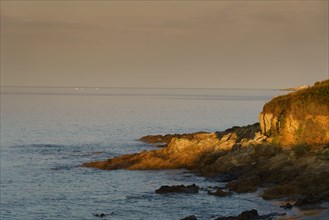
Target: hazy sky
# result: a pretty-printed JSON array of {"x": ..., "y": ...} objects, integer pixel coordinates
[{"x": 230, "y": 44}]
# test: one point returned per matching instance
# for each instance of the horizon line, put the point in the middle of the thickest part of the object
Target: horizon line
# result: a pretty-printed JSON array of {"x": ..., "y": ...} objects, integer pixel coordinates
[{"x": 135, "y": 87}]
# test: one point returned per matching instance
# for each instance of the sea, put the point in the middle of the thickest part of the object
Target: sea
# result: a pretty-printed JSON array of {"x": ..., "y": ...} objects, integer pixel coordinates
[{"x": 48, "y": 133}]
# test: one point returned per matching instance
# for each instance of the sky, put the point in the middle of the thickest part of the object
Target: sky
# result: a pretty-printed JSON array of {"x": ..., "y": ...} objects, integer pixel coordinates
[{"x": 164, "y": 44}]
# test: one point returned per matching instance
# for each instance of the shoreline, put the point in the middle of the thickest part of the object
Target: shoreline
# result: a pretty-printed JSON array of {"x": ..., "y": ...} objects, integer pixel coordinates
[
  {"x": 243, "y": 160},
  {"x": 286, "y": 153}
]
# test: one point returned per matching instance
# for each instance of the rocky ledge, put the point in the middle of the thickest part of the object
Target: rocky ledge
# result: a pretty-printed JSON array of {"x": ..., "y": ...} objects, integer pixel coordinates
[{"x": 182, "y": 152}]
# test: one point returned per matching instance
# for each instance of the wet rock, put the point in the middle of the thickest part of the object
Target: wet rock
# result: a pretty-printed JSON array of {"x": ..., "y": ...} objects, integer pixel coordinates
[
  {"x": 286, "y": 206},
  {"x": 280, "y": 191},
  {"x": 191, "y": 217},
  {"x": 251, "y": 215},
  {"x": 246, "y": 215},
  {"x": 308, "y": 200},
  {"x": 244, "y": 184},
  {"x": 225, "y": 177},
  {"x": 178, "y": 189},
  {"x": 101, "y": 215},
  {"x": 219, "y": 192}
]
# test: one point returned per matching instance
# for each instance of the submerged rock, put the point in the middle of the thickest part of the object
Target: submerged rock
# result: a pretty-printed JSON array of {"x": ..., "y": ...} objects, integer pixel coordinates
[
  {"x": 250, "y": 215},
  {"x": 191, "y": 217},
  {"x": 219, "y": 192},
  {"x": 246, "y": 215},
  {"x": 101, "y": 215},
  {"x": 178, "y": 189},
  {"x": 286, "y": 206}
]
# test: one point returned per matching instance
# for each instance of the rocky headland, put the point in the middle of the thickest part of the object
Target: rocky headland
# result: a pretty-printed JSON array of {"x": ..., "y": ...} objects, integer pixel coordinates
[
  {"x": 286, "y": 154},
  {"x": 300, "y": 117}
]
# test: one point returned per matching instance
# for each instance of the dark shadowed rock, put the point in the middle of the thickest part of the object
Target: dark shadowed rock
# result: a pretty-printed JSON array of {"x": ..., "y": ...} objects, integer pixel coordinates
[
  {"x": 191, "y": 217},
  {"x": 101, "y": 215},
  {"x": 244, "y": 184},
  {"x": 247, "y": 132},
  {"x": 165, "y": 139},
  {"x": 246, "y": 215},
  {"x": 308, "y": 200},
  {"x": 251, "y": 215},
  {"x": 286, "y": 206},
  {"x": 178, "y": 189}
]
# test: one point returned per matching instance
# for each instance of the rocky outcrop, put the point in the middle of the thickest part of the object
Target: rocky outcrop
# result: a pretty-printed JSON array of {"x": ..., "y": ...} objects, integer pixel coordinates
[
  {"x": 165, "y": 139},
  {"x": 180, "y": 153},
  {"x": 178, "y": 189},
  {"x": 300, "y": 117},
  {"x": 187, "y": 153}
]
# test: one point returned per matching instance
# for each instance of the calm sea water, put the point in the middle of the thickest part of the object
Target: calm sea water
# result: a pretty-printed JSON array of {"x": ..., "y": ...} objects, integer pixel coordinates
[{"x": 47, "y": 133}]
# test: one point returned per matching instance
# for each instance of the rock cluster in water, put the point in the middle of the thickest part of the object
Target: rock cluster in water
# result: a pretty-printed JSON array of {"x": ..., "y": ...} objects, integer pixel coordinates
[
  {"x": 246, "y": 215},
  {"x": 178, "y": 189},
  {"x": 244, "y": 163}
]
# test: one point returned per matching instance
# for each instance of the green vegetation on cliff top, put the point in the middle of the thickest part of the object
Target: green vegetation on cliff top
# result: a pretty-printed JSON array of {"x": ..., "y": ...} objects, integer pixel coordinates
[{"x": 317, "y": 94}]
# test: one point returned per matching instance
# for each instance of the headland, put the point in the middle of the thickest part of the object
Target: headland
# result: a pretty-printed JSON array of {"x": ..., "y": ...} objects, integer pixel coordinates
[{"x": 286, "y": 154}]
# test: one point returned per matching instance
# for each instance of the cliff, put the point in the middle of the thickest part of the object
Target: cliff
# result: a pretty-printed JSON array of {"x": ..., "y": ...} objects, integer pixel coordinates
[{"x": 300, "y": 117}]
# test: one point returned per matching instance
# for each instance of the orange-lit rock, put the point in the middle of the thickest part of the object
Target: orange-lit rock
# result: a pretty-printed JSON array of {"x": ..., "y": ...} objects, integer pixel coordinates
[{"x": 300, "y": 117}]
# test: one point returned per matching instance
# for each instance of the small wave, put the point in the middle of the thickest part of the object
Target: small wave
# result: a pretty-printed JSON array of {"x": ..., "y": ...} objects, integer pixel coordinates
[
  {"x": 88, "y": 154},
  {"x": 39, "y": 146},
  {"x": 63, "y": 167},
  {"x": 137, "y": 197},
  {"x": 48, "y": 145}
]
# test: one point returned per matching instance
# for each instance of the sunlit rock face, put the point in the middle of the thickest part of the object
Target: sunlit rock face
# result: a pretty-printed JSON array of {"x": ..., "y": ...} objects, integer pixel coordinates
[
  {"x": 300, "y": 117},
  {"x": 179, "y": 153},
  {"x": 190, "y": 151}
]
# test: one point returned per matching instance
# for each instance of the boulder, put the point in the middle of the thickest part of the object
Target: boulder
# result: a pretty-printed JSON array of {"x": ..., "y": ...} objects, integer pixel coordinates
[
  {"x": 286, "y": 206},
  {"x": 246, "y": 215},
  {"x": 251, "y": 215},
  {"x": 178, "y": 189},
  {"x": 244, "y": 184}
]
